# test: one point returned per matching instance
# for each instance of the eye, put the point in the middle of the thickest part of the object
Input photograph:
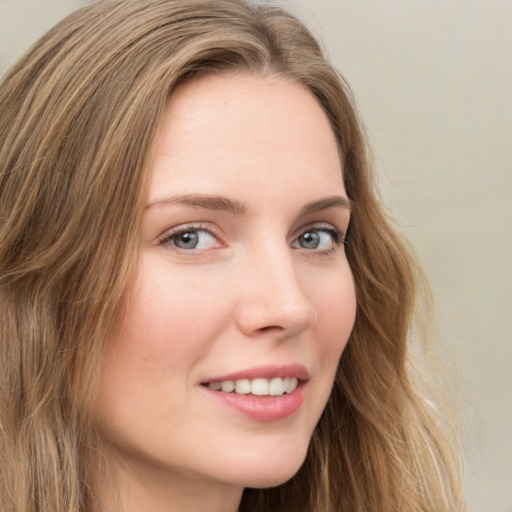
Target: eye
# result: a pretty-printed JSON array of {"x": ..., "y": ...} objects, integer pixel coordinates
[
  {"x": 190, "y": 239},
  {"x": 318, "y": 239}
]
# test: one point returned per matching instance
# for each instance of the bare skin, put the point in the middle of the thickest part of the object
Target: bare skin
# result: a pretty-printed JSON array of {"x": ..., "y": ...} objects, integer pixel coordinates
[{"x": 243, "y": 270}]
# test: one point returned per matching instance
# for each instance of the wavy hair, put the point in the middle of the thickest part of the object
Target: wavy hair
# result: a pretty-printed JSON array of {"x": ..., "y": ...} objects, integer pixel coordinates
[{"x": 79, "y": 115}]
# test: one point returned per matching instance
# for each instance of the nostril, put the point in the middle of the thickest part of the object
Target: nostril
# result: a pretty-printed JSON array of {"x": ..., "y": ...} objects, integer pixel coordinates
[{"x": 271, "y": 328}]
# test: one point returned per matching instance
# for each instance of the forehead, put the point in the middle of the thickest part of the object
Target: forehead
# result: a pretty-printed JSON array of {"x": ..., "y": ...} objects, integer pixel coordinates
[{"x": 253, "y": 129}]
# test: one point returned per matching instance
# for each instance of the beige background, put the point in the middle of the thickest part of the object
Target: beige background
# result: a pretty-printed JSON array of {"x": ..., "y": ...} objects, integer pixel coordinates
[{"x": 433, "y": 79}]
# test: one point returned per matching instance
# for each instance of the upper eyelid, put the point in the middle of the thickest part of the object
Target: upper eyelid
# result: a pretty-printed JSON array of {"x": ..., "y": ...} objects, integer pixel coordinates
[
  {"x": 192, "y": 226},
  {"x": 327, "y": 226},
  {"x": 198, "y": 226}
]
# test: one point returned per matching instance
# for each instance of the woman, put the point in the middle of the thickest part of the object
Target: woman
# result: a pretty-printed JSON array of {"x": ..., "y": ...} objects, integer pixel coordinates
[{"x": 203, "y": 304}]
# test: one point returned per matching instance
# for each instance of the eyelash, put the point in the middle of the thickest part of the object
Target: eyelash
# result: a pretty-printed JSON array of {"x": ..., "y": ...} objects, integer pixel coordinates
[
  {"x": 167, "y": 238},
  {"x": 336, "y": 236}
]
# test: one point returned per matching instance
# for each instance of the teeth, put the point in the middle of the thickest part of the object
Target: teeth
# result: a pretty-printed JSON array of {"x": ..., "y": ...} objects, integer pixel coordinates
[
  {"x": 215, "y": 386},
  {"x": 243, "y": 387},
  {"x": 227, "y": 386},
  {"x": 260, "y": 387},
  {"x": 292, "y": 384},
  {"x": 276, "y": 386}
]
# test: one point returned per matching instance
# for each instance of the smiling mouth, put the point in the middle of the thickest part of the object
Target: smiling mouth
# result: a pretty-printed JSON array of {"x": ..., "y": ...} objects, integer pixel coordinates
[{"x": 277, "y": 386}]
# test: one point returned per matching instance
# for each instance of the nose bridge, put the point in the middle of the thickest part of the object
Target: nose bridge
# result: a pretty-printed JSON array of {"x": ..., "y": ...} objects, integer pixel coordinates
[{"x": 274, "y": 296}]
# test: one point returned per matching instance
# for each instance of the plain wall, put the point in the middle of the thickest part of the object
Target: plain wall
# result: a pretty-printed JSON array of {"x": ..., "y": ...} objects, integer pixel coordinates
[{"x": 433, "y": 80}]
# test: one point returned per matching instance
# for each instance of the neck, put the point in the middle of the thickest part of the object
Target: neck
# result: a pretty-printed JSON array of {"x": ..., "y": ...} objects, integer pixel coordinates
[{"x": 148, "y": 489}]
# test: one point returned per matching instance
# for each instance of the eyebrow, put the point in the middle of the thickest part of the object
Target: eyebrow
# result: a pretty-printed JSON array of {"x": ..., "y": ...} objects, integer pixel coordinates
[
  {"x": 325, "y": 203},
  {"x": 221, "y": 203},
  {"x": 207, "y": 202}
]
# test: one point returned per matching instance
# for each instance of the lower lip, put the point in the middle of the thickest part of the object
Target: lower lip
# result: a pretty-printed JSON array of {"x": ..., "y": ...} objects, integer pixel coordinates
[{"x": 262, "y": 408}]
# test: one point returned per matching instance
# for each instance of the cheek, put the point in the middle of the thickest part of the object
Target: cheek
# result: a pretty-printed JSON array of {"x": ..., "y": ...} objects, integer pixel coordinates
[
  {"x": 336, "y": 303},
  {"x": 169, "y": 322},
  {"x": 166, "y": 327}
]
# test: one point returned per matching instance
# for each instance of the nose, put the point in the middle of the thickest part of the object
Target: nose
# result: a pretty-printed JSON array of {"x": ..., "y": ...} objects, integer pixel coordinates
[{"x": 274, "y": 298}]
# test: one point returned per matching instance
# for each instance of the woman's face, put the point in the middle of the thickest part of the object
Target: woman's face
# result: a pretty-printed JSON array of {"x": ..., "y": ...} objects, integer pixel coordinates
[{"x": 242, "y": 282}]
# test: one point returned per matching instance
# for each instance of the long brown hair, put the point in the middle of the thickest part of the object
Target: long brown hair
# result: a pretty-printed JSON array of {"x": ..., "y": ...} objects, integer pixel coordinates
[{"x": 79, "y": 114}]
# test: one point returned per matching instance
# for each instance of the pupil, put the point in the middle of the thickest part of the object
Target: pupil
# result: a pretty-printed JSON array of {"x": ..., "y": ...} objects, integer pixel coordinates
[
  {"x": 187, "y": 240},
  {"x": 310, "y": 240}
]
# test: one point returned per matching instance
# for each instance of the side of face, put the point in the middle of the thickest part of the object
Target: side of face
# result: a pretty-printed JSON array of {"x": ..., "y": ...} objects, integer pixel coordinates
[{"x": 242, "y": 279}]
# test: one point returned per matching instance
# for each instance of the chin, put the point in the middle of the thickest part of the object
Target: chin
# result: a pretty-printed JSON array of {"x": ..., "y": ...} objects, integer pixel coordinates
[
  {"x": 266, "y": 481},
  {"x": 264, "y": 471}
]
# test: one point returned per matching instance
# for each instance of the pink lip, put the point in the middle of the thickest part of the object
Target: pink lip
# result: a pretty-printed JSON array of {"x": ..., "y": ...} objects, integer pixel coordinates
[
  {"x": 263, "y": 408},
  {"x": 266, "y": 372}
]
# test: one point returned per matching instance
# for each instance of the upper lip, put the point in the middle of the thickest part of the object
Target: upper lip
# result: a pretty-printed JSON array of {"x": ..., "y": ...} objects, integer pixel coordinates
[{"x": 265, "y": 372}]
